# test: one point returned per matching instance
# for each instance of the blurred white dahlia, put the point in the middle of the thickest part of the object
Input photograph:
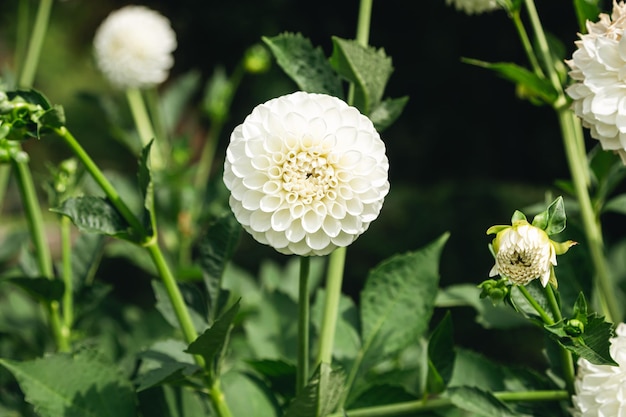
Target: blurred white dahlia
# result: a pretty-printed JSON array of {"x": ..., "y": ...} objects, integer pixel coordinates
[
  {"x": 133, "y": 47},
  {"x": 474, "y": 6},
  {"x": 523, "y": 253},
  {"x": 601, "y": 389},
  {"x": 307, "y": 173},
  {"x": 598, "y": 67}
]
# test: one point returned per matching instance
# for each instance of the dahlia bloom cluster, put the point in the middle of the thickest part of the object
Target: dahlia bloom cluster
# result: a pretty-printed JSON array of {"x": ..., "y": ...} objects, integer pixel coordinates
[
  {"x": 133, "y": 47},
  {"x": 598, "y": 67},
  {"x": 601, "y": 389},
  {"x": 474, "y": 6},
  {"x": 307, "y": 173}
]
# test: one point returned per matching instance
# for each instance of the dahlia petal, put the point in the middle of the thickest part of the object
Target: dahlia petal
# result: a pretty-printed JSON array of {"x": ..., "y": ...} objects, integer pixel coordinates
[
  {"x": 318, "y": 240},
  {"x": 261, "y": 220},
  {"x": 281, "y": 220},
  {"x": 311, "y": 221}
]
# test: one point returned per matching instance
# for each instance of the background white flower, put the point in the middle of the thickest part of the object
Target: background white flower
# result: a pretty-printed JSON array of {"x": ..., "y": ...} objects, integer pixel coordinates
[
  {"x": 307, "y": 173},
  {"x": 601, "y": 389},
  {"x": 474, "y": 6},
  {"x": 523, "y": 253},
  {"x": 598, "y": 67},
  {"x": 133, "y": 47}
]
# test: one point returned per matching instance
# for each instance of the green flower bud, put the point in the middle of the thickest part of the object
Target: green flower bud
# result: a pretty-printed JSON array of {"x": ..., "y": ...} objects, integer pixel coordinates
[
  {"x": 574, "y": 327},
  {"x": 257, "y": 59}
]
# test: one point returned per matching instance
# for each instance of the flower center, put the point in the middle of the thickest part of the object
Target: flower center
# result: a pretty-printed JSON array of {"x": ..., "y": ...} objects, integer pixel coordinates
[{"x": 307, "y": 176}]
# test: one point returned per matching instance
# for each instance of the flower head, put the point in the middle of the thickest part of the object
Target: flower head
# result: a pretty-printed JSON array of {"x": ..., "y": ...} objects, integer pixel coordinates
[
  {"x": 133, "y": 47},
  {"x": 601, "y": 389},
  {"x": 474, "y": 6},
  {"x": 598, "y": 67},
  {"x": 307, "y": 173},
  {"x": 523, "y": 253}
]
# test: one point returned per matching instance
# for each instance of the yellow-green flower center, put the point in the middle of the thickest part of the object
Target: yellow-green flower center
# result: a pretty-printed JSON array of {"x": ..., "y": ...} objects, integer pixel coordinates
[{"x": 307, "y": 176}]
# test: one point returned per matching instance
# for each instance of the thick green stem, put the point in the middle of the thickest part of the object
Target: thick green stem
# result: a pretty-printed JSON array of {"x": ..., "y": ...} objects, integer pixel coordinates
[
  {"x": 219, "y": 401},
  {"x": 567, "y": 362},
  {"x": 417, "y": 407},
  {"x": 334, "y": 282},
  {"x": 27, "y": 75},
  {"x": 68, "y": 278},
  {"x": 302, "y": 374},
  {"x": 37, "y": 231},
  {"x": 144, "y": 125}
]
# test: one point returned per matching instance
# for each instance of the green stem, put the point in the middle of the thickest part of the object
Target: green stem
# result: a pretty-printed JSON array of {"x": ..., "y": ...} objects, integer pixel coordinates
[
  {"x": 22, "y": 34},
  {"x": 31, "y": 62},
  {"x": 362, "y": 33},
  {"x": 68, "y": 278},
  {"x": 528, "y": 47},
  {"x": 144, "y": 125},
  {"x": 102, "y": 181},
  {"x": 334, "y": 281},
  {"x": 36, "y": 227},
  {"x": 219, "y": 401},
  {"x": 302, "y": 374},
  {"x": 5, "y": 174},
  {"x": 542, "y": 313},
  {"x": 416, "y": 407},
  {"x": 567, "y": 362}
]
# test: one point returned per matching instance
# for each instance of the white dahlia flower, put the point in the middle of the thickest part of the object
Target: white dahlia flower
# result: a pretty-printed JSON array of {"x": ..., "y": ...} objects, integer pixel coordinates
[
  {"x": 133, "y": 47},
  {"x": 601, "y": 389},
  {"x": 307, "y": 173},
  {"x": 598, "y": 67},
  {"x": 523, "y": 253},
  {"x": 474, "y": 6}
]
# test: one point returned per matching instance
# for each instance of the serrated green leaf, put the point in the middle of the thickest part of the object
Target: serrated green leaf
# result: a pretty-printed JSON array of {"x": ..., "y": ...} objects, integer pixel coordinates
[
  {"x": 210, "y": 343},
  {"x": 320, "y": 396},
  {"x": 480, "y": 402},
  {"x": 304, "y": 64},
  {"x": 367, "y": 67},
  {"x": 398, "y": 298},
  {"x": 79, "y": 385},
  {"x": 441, "y": 355},
  {"x": 94, "y": 215},
  {"x": 534, "y": 86},
  {"x": 594, "y": 343},
  {"x": 215, "y": 250},
  {"x": 387, "y": 112},
  {"x": 40, "y": 287},
  {"x": 144, "y": 178}
]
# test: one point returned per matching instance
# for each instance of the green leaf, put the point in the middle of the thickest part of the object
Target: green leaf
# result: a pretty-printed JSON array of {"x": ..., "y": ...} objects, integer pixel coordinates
[
  {"x": 321, "y": 395},
  {"x": 480, "y": 402},
  {"x": 176, "y": 96},
  {"x": 144, "y": 178},
  {"x": 246, "y": 395},
  {"x": 94, "y": 215},
  {"x": 534, "y": 86},
  {"x": 368, "y": 68},
  {"x": 387, "y": 112},
  {"x": 304, "y": 64},
  {"x": 218, "y": 96},
  {"x": 278, "y": 374},
  {"x": 209, "y": 344},
  {"x": 521, "y": 304},
  {"x": 616, "y": 204},
  {"x": 79, "y": 385},
  {"x": 41, "y": 288},
  {"x": 398, "y": 298},
  {"x": 553, "y": 219},
  {"x": 194, "y": 300},
  {"x": 586, "y": 10},
  {"x": 173, "y": 401},
  {"x": 86, "y": 253},
  {"x": 214, "y": 252},
  {"x": 441, "y": 355},
  {"x": 168, "y": 372}
]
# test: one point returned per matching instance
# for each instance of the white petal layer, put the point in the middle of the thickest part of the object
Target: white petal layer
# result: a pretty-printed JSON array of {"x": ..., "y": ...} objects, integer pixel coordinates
[{"x": 307, "y": 173}]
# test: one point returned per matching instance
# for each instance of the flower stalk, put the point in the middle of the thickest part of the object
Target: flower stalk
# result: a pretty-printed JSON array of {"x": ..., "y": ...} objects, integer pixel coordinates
[
  {"x": 68, "y": 278},
  {"x": 144, "y": 125},
  {"x": 31, "y": 61},
  {"x": 302, "y": 374}
]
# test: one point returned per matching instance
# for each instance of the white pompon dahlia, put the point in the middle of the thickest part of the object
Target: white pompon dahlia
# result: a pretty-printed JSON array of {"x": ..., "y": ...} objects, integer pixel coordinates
[
  {"x": 133, "y": 47},
  {"x": 601, "y": 389},
  {"x": 523, "y": 253},
  {"x": 474, "y": 6},
  {"x": 598, "y": 67},
  {"x": 307, "y": 173}
]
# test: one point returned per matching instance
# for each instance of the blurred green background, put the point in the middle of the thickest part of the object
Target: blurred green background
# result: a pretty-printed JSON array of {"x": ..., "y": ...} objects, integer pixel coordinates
[{"x": 463, "y": 156}]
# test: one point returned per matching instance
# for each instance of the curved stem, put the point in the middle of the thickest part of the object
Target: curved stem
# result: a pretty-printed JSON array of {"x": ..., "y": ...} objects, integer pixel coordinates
[
  {"x": 542, "y": 313},
  {"x": 528, "y": 47},
  {"x": 102, "y": 181},
  {"x": 31, "y": 62},
  {"x": 334, "y": 282},
  {"x": 417, "y": 407},
  {"x": 36, "y": 227},
  {"x": 302, "y": 374}
]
